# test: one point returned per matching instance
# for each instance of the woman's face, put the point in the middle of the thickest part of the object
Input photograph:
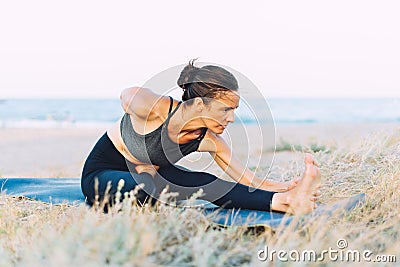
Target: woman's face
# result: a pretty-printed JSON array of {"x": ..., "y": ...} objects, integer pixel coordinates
[{"x": 219, "y": 112}]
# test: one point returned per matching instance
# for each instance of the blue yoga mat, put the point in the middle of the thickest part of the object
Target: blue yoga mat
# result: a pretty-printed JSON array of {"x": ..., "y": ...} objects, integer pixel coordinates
[
  {"x": 68, "y": 190},
  {"x": 54, "y": 190}
]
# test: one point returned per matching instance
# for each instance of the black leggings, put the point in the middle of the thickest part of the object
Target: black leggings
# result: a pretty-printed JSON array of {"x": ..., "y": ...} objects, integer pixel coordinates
[{"x": 106, "y": 165}]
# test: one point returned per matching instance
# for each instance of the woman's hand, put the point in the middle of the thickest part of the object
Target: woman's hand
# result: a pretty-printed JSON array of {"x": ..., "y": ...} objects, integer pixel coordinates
[
  {"x": 292, "y": 183},
  {"x": 280, "y": 186},
  {"x": 148, "y": 168}
]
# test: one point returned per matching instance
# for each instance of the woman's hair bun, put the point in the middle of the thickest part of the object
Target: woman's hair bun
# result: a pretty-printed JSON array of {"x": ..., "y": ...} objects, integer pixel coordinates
[
  {"x": 207, "y": 82},
  {"x": 187, "y": 74}
]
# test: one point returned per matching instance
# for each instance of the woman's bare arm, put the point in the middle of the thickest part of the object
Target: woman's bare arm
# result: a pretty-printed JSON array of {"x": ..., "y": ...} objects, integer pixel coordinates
[
  {"x": 144, "y": 106},
  {"x": 224, "y": 157},
  {"x": 143, "y": 103}
]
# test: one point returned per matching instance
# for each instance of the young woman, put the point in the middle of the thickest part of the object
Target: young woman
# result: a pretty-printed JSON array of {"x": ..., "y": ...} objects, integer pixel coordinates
[{"x": 156, "y": 131}]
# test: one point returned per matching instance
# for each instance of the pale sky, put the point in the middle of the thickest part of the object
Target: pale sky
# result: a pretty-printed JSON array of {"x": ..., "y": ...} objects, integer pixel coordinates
[{"x": 286, "y": 48}]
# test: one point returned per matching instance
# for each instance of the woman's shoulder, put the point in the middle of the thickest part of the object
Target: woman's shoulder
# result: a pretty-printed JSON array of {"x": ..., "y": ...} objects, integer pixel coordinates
[{"x": 144, "y": 103}]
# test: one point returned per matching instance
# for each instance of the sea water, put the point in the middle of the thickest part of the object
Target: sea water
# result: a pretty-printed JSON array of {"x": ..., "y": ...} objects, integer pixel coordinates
[{"x": 87, "y": 113}]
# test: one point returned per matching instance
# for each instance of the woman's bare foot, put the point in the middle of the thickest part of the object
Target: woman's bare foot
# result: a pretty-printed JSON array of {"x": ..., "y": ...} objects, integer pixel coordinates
[{"x": 301, "y": 199}]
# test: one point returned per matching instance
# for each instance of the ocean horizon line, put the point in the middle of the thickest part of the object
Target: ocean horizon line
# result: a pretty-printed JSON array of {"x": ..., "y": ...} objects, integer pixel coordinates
[{"x": 52, "y": 112}]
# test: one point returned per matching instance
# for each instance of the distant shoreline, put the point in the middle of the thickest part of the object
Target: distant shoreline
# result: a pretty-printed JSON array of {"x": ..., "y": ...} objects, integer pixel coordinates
[
  {"x": 89, "y": 113},
  {"x": 60, "y": 124},
  {"x": 61, "y": 152}
]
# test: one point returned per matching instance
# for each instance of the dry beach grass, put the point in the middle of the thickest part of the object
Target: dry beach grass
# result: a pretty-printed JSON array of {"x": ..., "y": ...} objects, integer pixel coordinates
[{"x": 39, "y": 234}]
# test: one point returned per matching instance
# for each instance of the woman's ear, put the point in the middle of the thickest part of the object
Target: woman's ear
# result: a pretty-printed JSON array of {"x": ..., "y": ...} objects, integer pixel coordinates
[{"x": 199, "y": 104}]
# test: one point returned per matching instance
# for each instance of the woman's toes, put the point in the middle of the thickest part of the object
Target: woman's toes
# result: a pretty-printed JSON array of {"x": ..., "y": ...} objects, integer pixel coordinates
[
  {"x": 308, "y": 159},
  {"x": 317, "y": 193}
]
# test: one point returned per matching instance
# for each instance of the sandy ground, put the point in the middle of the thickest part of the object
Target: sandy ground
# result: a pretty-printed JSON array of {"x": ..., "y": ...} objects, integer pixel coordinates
[{"x": 62, "y": 152}]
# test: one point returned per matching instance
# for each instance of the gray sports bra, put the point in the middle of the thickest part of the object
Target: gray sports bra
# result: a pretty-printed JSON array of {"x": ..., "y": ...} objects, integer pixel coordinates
[{"x": 156, "y": 147}]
